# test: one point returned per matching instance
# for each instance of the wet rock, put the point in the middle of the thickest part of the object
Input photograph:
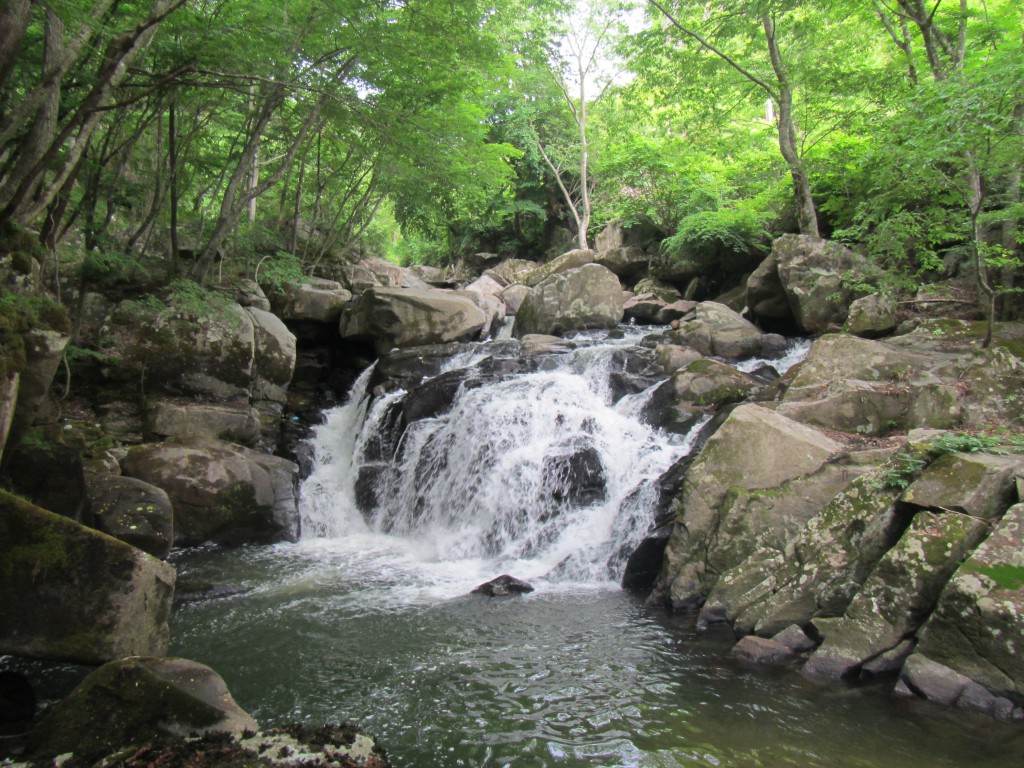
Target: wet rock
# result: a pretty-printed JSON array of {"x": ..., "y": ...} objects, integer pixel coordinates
[
  {"x": 511, "y": 271},
  {"x": 762, "y": 651},
  {"x": 71, "y": 593},
  {"x": 576, "y": 479},
  {"x": 977, "y": 628},
  {"x": 514, "y": 296},
  {"x": 898, "y": 595},
  {"x": 221, "y": 491},
  {"x": 795, "y": 639},
  {"x": 503, "y": 586},
  {"x": 136, "y": 700},
  {"x": 938, "y": 683},
  {"x": 133, "y": 511},
  {"x": 274, "y": 356}
]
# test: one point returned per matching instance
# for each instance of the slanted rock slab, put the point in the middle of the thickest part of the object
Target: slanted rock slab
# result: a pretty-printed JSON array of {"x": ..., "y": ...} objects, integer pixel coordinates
[{"x": 72, "y": 593}]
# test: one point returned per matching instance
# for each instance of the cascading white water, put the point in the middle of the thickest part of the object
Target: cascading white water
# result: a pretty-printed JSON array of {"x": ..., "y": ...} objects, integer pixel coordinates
[{"x": 538, "y": 472}]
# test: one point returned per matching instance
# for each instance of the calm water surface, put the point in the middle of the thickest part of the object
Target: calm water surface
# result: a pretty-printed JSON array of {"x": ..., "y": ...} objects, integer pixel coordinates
[{"x": 571, "y": 675}]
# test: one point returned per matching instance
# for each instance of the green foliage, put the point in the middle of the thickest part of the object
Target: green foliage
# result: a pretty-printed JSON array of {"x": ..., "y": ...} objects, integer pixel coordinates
[
  {"x": 1005, "y": 575},
  {"x": 962, "y": 442},
  {"x": 738, "y": 229},
  {"x": 20, "y": 314},
  {"x": 906, "y": 467},
  {"x": 106, "y": 268},
  {"x": 280, "y": 270}
]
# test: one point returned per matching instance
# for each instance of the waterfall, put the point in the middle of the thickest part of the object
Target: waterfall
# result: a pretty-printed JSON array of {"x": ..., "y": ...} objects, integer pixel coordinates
[{"x": 546, "y": 472}]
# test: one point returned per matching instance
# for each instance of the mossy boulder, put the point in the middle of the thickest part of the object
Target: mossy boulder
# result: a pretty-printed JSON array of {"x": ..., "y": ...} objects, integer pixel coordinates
[
  {"x": 587, "y": 297},
  {"x": 757, "y": 480},
  {"x": 977, "y": 628},
  {"x": 820, "y": 570},
  {"x": 811, "y": 271},
  {"x": 981, "y": 485},
  {"x": 137, "y": 700},
  {"x": 132, "y": 511},
  {"x": 898, "y": 596},
  {"x": 701, "y": 387},
  {"x": 220, "y": 491},
  {"x": 72, "y": 593},
  {"x": 872, "y": 316}
]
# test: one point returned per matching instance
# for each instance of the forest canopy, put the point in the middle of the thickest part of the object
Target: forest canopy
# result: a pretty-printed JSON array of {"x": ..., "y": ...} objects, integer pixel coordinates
[{"x": 135, "y": 133}]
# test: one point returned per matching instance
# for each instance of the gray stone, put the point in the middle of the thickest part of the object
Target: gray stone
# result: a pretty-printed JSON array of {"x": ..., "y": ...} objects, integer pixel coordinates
[
  {"x": 514, "y": 296},
  {"x": 795, "y": 639},
  {"x": 221, "y": 491},
  {"x": 717, "y": 330},
  {"x": 403, "y": 317},
  {"x": 185, "y": 419},
  {"x": 133, "y": 701},
  {"x": 565, "y": 263},
  {"x": 587, "y": 297},
  {"x": 898, "y": 595},
  {"x": 872, "y": 316},
  {"x": 317, "y": 300},
  {"x": 133, "y": 511},
  {"x": 762, "y": 651},
  {"x": 74, "y": 594},
  {"x": 811, "y": 271}
]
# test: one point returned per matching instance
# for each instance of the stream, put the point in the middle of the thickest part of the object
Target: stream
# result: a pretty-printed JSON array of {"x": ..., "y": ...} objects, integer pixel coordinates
[{"x": 547, "y": 472}]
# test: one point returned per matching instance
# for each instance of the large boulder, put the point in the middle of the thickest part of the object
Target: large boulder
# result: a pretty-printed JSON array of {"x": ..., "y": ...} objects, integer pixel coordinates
[
  {"x": 134, "y": 701},
  {"x": 186, "y": 418},
  {"x": 757, "y": 480},
  {"x": 977, "y": 628},
  {"x": 936, "y": 377},
  {"x": 317, "y": 300},
  {"x": 718, "y": 330},
  {"x": 567, "y": 262},
  {"x": 370, "y": 273},
  {"x": 872, "y": 316},
  {"x": 854, "y": 385},
  {"x": 135, "y": 512},
  {"x": 809, "y": 271},
  {"x": 898, "y": 595},
  {"x": 587, "y": 297},
  {"x": 822, "y": 568},
  {"x": 211, "y": 357},
  {"x": 71, "y": 593},
  {"x": 511, "y": 271},
  {"x": 275, "y": 353},
  {"x": 404, "y": 317},
  {"x": 623, "y": 249},
  {"x": 220, "y": 491}
]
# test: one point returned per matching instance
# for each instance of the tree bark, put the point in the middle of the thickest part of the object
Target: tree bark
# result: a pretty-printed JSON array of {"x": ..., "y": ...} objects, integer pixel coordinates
[
  {"x": 14, "y": 18},
  {"x": 805, "y": 210}
]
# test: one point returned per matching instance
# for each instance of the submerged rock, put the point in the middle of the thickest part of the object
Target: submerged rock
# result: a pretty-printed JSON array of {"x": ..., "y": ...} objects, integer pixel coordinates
[{"x": 503, "y": 586}]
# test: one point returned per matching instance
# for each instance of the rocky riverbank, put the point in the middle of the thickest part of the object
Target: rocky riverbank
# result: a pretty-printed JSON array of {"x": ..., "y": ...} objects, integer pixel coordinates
[{"x": 858, "y": 517}]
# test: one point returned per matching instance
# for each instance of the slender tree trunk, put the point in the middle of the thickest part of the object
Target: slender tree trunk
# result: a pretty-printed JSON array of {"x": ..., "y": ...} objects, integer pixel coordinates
[
  {"x": 15, "y": 16},
  {"x": 806, "y": 214},
  {"x": 172, "y": 180},
  {"x": 584, "y": 218}
]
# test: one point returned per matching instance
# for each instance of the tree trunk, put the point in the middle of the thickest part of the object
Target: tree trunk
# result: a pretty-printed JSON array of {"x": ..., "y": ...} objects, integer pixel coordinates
[
  {"x": 805, "y": 211},
  {"x": 14, "y": 18}
]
